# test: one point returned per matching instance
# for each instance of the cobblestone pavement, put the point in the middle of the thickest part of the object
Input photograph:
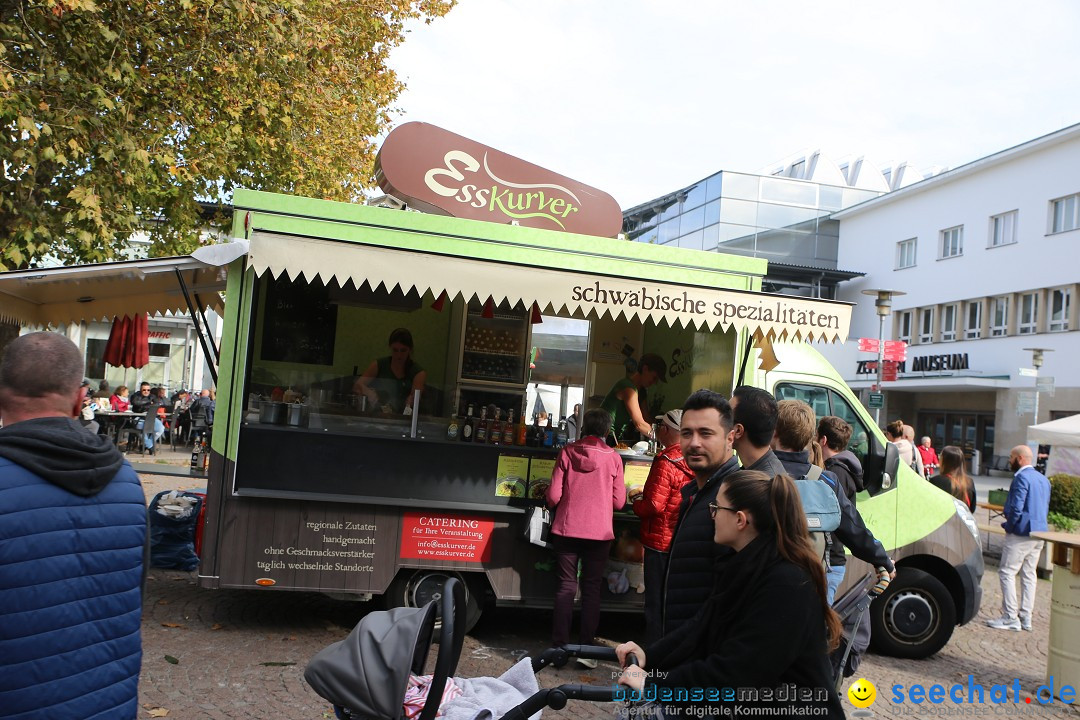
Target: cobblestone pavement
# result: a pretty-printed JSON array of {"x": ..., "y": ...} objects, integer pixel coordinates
[{"x": 241, "y": 654}]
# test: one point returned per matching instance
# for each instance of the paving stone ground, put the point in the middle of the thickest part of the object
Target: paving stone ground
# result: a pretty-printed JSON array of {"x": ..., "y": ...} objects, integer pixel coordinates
[{"x": 241, "y": 654}]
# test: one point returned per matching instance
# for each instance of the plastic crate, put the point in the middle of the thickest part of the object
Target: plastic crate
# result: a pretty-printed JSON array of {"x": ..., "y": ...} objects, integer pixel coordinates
[{"x": 997, "y": 497}]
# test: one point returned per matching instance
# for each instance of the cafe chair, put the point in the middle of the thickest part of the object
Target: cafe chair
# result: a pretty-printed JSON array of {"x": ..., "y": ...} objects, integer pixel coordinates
[
  {"x": 174, "y": 427},
  {"x": 133, "y": 435},
  {"x": 199, "y": 423}
]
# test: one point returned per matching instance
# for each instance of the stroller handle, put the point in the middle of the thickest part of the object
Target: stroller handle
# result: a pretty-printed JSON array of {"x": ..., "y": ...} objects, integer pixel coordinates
[{"x": 451, "y": 638}]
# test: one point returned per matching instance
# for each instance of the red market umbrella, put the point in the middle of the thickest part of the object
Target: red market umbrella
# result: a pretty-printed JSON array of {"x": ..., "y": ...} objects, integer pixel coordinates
[{"x": 128, "y": 344}]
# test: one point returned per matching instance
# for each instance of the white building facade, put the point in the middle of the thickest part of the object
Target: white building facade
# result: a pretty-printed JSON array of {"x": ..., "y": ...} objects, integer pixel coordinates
[{"x": 988, "y": 256}]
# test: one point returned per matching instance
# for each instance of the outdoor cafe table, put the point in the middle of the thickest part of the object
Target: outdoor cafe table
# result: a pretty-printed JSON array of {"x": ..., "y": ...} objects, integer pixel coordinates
[{"x": 114, "y": 422}]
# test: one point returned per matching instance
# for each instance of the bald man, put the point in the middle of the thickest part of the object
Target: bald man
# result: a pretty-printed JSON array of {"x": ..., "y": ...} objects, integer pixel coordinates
[
  {"x": 72, "y": 535},
  {"x": 1025, "y": 512}
]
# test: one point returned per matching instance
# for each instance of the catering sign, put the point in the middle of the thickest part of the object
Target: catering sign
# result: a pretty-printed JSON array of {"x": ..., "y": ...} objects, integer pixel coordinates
[
  {"x": 440, "y": 172},
  {"x": 441, "y": 536}
]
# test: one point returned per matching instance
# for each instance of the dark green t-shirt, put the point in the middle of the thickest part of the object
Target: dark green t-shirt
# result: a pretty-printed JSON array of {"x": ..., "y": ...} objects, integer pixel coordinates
[
  {"x": 392, "y": 390},
  {"x": 622, "y": 423}
]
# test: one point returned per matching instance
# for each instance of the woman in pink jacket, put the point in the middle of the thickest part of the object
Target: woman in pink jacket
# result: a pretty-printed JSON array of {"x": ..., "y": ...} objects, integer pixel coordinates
[{"x": 586, "y": 488}]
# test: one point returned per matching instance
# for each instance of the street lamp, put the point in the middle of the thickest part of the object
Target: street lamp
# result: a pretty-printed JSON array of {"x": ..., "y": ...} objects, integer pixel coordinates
[
  {"x": 883, "y": 304},
  {"x": 1037, "y": 362}
]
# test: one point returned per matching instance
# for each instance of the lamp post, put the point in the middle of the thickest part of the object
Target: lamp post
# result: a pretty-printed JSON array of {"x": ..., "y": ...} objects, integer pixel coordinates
[
  {"x": 883, "y": 305},
  {"x": 1037, "y": 362}
]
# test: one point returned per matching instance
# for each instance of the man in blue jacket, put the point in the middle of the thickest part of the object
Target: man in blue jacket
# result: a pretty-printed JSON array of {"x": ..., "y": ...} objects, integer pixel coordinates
[
  {"x": 72, "y": 540},
  {"x": 1025, "y": 512}
]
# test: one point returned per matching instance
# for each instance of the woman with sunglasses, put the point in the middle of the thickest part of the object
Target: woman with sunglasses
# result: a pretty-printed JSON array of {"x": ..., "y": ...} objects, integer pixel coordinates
[{"x": 767, "y": 629}]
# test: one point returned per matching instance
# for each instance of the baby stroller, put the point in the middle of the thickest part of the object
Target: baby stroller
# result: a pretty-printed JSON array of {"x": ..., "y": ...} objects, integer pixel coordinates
[
  {"x": 367, "y": 674},
  {"x": 853, "y": 608}
]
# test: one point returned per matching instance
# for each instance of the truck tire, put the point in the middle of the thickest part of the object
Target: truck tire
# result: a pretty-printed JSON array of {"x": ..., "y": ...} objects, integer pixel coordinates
[
  {"x": 914, "y": 617},
  {"x": 416, "y": 588}
]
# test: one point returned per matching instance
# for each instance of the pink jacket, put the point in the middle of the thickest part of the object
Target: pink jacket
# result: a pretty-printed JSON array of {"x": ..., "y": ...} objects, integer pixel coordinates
[{"x": 586, "y": 488}]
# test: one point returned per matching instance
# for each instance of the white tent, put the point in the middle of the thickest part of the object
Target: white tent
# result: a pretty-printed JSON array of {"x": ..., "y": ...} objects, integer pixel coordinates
[
  {"x": 1065, "y": 431},
  {"x": 1063, "y": 437}
]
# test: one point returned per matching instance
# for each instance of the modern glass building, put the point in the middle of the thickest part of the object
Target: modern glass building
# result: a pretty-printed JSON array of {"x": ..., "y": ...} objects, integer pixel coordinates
[{"x": 782, "y": 219}]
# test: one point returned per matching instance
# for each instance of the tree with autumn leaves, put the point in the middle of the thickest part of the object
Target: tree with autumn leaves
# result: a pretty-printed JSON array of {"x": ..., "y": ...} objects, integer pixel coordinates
[{"x": 118, "y": 117}]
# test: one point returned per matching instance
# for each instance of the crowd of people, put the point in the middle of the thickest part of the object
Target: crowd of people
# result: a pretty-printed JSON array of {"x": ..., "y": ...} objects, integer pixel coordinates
[
  {"x": 741, "y": 594},
  {"x": 737, "y": 593},
  {"x": 178, "y": 413}
]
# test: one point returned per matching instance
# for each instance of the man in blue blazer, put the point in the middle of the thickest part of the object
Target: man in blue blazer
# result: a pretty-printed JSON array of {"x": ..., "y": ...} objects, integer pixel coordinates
[{"x": 1025, "y": 512}]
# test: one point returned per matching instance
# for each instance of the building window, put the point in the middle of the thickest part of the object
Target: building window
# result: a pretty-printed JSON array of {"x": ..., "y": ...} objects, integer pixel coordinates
[
  {"x": 999, "y": 316},
  {"x": 1059, "y": 310},
  {"x": 948, "y": 323},
  {"x": 1029, "y": 314},
  {"x": 1065, "y": 214},
  {"x": 926, "y": 326},
  {"x": 905, "y": 254},
  {"x": 1003, "y": 229},
  {"x": 903, "y": 326},
  {"x": 973, "y": 324},
  {"x": 952, "y": 242}
]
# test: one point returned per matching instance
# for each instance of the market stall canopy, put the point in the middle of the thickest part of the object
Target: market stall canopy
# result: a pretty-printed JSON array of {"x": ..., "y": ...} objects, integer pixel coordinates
[
  {"x": 577, "y": 293},
  {"x": 1065, "y": 431},
  {"x": 53, "y": 296}
]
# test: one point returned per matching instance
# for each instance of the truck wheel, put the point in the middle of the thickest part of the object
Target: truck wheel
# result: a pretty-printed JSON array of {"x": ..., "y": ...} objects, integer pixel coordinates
[
  {"x": 914, "y": 617},
  {"x": 418, "y": 588}
]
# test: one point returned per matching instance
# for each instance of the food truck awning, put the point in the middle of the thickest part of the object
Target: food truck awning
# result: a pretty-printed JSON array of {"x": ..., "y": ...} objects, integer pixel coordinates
[
  {"x": 553, "y": 290},
  {"x": 53, "y": 296}
]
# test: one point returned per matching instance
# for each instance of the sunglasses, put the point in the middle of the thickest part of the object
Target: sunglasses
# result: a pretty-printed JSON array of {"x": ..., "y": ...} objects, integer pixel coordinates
[{"x": 714, "y": 508}]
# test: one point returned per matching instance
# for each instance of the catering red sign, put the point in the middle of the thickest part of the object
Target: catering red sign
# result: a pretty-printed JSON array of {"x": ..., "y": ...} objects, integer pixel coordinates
[
  {"x": 437, "y": 171},
  {"x": 457, "y": 538}
]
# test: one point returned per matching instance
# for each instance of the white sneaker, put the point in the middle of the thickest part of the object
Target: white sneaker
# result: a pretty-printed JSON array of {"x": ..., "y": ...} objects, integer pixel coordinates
[
  {"x": 1025, "y": 623},
  {"x": 587, "y": 662},
  {"x": 1004, "y": 624}
]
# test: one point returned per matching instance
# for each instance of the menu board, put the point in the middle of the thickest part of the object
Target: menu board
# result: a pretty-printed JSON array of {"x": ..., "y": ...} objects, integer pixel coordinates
[
  {"x": 300, "y": 323},
  {"x": 540, "y": 470},
  {"x": 511, "y": 475},
  {"x": 635, "y": 475}
]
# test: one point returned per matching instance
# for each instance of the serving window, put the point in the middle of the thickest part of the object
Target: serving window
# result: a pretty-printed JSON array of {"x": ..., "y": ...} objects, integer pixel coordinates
[{"x": 329, "y": 410}]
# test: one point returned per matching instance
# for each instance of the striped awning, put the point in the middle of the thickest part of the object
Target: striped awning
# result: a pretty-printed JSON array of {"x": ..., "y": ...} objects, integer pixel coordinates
[{"x": 553, "y": 290}]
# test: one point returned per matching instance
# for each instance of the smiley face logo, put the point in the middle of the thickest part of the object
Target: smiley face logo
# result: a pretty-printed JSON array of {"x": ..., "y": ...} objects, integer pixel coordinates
[{"x": 862, "y": 693}]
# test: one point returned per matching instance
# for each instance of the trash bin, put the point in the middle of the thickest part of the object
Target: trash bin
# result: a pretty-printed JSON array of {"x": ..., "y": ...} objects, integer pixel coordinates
[
  {"x": 173, "y": 518},
  {"x": 1063, "y": 658}
]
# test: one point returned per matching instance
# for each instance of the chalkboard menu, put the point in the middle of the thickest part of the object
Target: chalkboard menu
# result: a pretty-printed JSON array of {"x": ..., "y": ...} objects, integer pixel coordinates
[{"x": 300, "y": 323}]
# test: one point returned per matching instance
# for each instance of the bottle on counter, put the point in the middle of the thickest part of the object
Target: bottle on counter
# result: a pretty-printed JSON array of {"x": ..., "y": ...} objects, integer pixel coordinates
[
  {"x": 549, "y": 434},
  {"x": 495, "y": 429},
  {"x": 561, "y": 434},
  {"x": 522, "y": 431},
  {"x": 481, "y": 434},
  {"x": 468, "y": 428},
  {"x": 508, "y": 428},
  {"x": 534, "y": 432},
  {"x": 205, "y": 455},
  {"x": 452, "y": 429}
]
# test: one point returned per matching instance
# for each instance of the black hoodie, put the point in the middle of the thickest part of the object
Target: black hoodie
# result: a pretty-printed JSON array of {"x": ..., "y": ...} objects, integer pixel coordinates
[
  {"x": 848, "y": 470},
  {"x": 63, "y": 452}
]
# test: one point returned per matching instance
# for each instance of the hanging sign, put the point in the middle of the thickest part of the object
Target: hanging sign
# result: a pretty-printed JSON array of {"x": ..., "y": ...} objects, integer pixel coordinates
[{"x": 436, "y": 171}]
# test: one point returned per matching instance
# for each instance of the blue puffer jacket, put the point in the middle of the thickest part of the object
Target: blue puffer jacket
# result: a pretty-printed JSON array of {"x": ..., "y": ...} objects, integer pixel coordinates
[{"x": 72, "y": 537}]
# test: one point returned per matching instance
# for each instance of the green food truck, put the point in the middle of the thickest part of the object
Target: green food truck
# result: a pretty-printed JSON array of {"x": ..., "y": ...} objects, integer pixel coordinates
[{"x": 389, "y": 383}]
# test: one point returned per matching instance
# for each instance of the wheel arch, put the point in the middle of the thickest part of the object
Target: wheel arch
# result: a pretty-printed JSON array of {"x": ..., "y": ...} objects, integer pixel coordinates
[{"x": 943, "y": 572}]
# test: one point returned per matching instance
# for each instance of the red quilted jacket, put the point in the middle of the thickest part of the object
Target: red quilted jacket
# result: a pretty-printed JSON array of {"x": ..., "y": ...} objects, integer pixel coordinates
[{"x": 658, "y": 507}]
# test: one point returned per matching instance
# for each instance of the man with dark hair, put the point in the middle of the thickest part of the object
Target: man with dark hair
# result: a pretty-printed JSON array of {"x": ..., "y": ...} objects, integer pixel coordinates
[
  {"x": 753, "y": 412},
  {"x": 705, "y": 436},
  {"x": 628, "y": 400},
  {"x": 147, "y": 401},
  {"x": 795, "y": 428},
  {"x": 73, "y": 533}
]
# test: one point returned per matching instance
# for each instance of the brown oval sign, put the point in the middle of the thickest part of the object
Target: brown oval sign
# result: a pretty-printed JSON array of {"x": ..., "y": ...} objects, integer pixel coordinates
[{"x": 438, "y": 171}]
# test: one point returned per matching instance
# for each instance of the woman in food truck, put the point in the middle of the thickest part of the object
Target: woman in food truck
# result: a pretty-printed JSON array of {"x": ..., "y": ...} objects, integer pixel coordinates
[
  {"x": 628, "y": 403},
  {"x": 392, "y": 381}
]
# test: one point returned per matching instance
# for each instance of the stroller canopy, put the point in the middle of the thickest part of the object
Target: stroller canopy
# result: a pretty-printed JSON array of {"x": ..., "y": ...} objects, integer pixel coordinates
[{"x": 368, "y": 672}]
